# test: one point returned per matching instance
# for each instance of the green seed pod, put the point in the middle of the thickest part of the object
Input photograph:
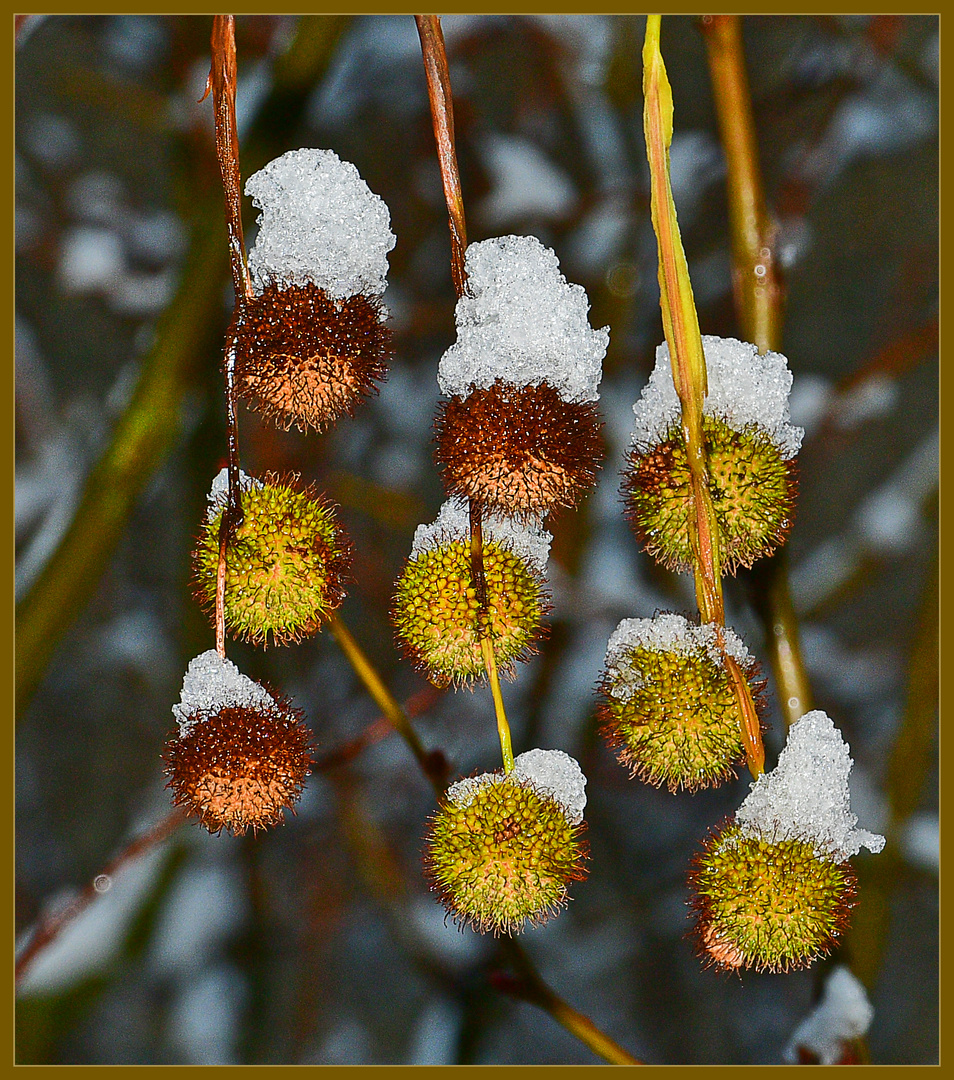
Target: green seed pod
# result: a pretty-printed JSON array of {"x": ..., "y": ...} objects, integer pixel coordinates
[
  {"x": 501, "y": 850},
  {"x": 436, "y": 613},
  {"x": 753, "y": 494},
  {"x": 771, "y": 906},
  {"x": 668, "y": 706},
  {"x": 750, "y": 446},
  {"x": 285, "y": 565}
]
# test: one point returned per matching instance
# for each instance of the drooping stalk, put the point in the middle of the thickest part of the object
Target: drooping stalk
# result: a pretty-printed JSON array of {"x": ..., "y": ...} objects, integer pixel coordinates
[
  {"x": 442, "y": 117},
  {"x": 681, "y": 328}
]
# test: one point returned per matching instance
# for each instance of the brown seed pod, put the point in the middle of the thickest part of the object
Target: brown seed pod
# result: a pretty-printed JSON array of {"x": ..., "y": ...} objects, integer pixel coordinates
[
  {"x": 239, "y": 767},
  {"x": 517, "y": 451},
  {"x": 304, "y": 358}
]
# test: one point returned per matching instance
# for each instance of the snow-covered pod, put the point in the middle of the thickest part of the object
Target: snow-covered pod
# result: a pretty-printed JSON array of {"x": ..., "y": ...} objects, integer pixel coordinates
[
  {"x": 241, "y": 754},
  {"x": 436, "y": 613},
  {"x": 313, "y": 341},
  {"x": 502, "y": 848},
  {"x": 668, "y": 705},
  {"x": 519, "y": 432},
  {"x": 773, "y": 888},
  {"x": 751, "y": 449}
]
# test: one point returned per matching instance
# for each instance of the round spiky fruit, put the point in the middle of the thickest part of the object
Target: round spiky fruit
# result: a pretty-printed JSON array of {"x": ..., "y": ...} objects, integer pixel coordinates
[
  {"x": 517, "y": 451},
  {"x": 771, "y": 905},
  {"x": 668, "y": 705},
  {"x": 286, "y": 563},
  {"x": 239, "y": 767},
  {"x": 437, "y": 616},
  {"x": 306, "y": 358},
  {"x": 753, "y": 491},
  {"x": 501, "y": 852}
]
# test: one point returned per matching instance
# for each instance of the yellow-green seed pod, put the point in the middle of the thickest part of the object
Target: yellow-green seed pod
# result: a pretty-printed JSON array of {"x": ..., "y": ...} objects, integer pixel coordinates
[
  {"x": 750, "y": 447},
  {"x": 768, "y": 905},
  {"x": 436, "y": 613},
  {"x": 500, "y": 851},
  {"x": 668, "y": 707},
  {"x": 286, "y": 563},
  {"x": 753, "y": 490}
]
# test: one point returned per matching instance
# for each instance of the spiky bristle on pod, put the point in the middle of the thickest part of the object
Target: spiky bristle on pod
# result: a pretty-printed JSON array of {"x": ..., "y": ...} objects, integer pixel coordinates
[
  {"x": 753, "y": 490},
  {"x": 668, "y": 706},
  {"x": 770, "y": 905},
  {"x": 286, "y": 564},
  {"x": 501, "y": 850},
  {"x": 518, "y": 451},
  {"x": 437, "y": 616},
  {"x": 306, "y": 358}
]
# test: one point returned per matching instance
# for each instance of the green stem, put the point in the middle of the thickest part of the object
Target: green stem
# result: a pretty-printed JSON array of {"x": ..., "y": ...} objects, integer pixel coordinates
[
  {"x": 386, "y": 701},
  {"x": 503, "y": 728}
]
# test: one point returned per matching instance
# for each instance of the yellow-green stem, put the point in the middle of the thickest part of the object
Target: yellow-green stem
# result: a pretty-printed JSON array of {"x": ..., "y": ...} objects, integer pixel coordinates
[
  {"x": 503, "y": 728},
  {"x": 385, "y": 700}
]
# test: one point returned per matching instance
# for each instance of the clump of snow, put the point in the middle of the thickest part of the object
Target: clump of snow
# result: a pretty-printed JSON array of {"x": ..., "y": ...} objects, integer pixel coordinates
[
  {"x": 844, "y": 1013},
  {"x": 212, "y": 683},
  {"x": 219, "y": 492},
  {"x": 320, "y": 223},
  {"x": 528, "y": 542},
  {"x": 556, "y": 774},
  {"x": 520, "y": 321},
  {"x": 805, "y": 797},
  {"x": 551, "y": 772},
  {"x": 664, "y": 633},
  {"x": 744, "y": 389}
]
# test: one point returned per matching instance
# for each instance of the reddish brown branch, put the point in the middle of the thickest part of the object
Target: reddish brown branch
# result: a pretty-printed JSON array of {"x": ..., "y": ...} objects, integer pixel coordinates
[
  {"x": 442, "y": 116},
  {"x": 49, "y": 929}
]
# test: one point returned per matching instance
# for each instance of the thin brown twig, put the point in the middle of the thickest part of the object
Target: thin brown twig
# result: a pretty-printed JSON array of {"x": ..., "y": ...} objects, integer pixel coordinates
[
  {"x": 222, "y": 82},
  {"x": 442, "y": 116}
]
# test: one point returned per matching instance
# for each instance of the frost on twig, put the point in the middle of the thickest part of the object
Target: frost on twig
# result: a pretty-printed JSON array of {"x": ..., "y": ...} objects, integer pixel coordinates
[
  {"x": 212, "y": 683},
  {"x": 844, "y": 1013},
  {"x": 745, "y": 389}
]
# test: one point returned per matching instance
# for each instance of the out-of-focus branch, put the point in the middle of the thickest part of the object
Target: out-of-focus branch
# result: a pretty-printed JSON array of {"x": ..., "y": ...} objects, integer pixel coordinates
[
  {"x": 49, "y": 929},
  {"x": 757, "y": 287},
  {"x": 142, "y": 438},
  {"x": 527, "y": 985}
]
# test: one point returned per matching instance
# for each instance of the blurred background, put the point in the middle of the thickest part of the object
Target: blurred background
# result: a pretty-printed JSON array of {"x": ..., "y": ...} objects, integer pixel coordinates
[{"x": 317, "y": 942}]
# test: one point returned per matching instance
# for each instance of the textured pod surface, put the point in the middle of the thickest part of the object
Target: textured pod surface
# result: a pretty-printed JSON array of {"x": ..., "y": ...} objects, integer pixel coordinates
[
  {"x": 305, "y": 358},
  {"x": 753, "y": 491},
  {"x": 505, "y": 858},
  {"x": 673, "y": 717},
  {"x": 240, "y": 768},
  {"x": 518, "y": 451},
  {"x": 771, "y": 906},
  {"x": 286, "y": 563},
  {"x": 437, "y": 616}
]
